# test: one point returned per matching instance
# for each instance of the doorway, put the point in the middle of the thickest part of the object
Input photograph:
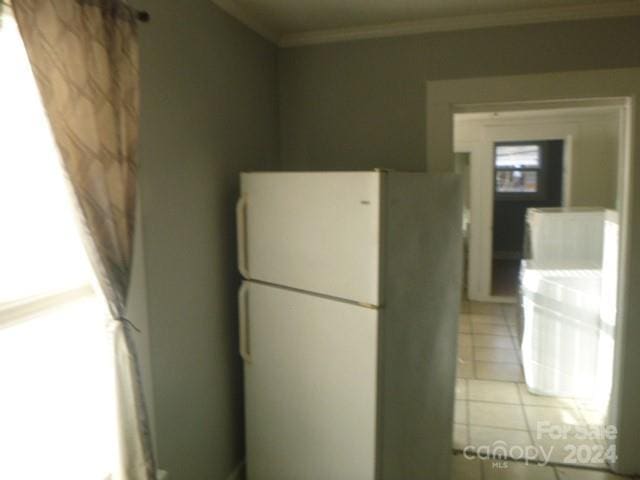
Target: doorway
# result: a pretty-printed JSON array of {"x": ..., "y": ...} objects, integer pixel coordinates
[
  {"x": 528, "y": 174},
  {"x": 445, "y": 97},
  {"x": 505, "y": 385},
  {"x": 495, "y": 220}
]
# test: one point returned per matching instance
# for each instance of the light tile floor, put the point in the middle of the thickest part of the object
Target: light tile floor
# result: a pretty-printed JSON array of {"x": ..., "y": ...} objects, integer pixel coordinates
[
  {"x": 475, "y": 469},
  {"x": 493, "y": 404}
]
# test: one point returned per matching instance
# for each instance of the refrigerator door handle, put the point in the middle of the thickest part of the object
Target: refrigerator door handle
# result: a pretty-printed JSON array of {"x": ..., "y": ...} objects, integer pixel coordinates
[
  {"x": 241, "y": 227},
  {"x": 243, "y": 294}
]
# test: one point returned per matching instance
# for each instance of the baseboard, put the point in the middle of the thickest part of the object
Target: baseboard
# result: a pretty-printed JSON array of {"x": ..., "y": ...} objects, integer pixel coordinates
[{"x": 238, "y": 472}]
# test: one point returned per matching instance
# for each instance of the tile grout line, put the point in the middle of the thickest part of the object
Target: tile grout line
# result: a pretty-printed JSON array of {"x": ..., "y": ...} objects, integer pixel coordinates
[
  {"x": 473, "y": 353},
  {"x": 466, "y": 397},
  {"x": 468, "y": 408},
  {"x": 473, "y": 345},
  {"x": 520, "y": 396},
  {"x": 517, "y": 349},
  {"x": 524, "y": 412},
  {"x": 498, "y": 379},
  {"x": 466, "y": 389},
  {"x": 508, "y": 323},
  {"x": 497, "y": 402},
  {"x": 577, "y": 408},
  {"x": 516, "y": 339},
  {"x": 498, "y": 336},
  {"x": 508, "y": 349},
  {"x": 495, "y": 334},
  {"x": 496, "y": 361},
  {"x": 493, "y": 427}
]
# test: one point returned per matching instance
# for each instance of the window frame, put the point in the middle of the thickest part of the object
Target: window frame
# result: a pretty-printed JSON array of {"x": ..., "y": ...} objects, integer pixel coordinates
[
  {"x": 24, "y": 309},
  {"x": 540, "y": 193}
]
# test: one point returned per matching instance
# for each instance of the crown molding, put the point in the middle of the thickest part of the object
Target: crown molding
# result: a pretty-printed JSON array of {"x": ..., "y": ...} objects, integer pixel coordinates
[
  {"x": 465, "y": 22},
  {"x": 248, "y": 19},
  {"x": 622, "y": 8}
]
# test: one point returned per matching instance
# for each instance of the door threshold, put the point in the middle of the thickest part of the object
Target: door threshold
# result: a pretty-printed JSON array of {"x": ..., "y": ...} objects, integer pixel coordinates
[{"x": 495, "y": 299}]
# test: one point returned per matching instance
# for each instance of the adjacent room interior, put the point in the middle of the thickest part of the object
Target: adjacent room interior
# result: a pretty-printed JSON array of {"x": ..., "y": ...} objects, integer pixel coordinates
[{"x": 536, "y": 340}]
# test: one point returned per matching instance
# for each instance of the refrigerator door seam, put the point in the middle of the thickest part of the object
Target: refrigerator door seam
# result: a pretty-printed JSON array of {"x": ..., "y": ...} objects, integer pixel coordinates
[{"x": 316, "y": 294}]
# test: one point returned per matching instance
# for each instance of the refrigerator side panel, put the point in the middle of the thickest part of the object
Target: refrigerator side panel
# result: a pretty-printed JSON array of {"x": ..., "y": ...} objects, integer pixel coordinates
[
  {"x": 314, "y": 231},
  {"x": 422, "y": 283},
  {"x": 310, "y": 386}
]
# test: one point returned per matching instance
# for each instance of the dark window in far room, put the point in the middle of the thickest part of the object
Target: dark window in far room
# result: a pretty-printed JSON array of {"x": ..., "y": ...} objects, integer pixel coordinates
[{"x": 518, "y": 170}]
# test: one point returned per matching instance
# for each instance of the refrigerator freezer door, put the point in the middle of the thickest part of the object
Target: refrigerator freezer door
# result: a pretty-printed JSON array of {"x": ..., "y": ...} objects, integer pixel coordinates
[
  {"x": 310, "y": 386},
  {"x": 317, "y": 232}
]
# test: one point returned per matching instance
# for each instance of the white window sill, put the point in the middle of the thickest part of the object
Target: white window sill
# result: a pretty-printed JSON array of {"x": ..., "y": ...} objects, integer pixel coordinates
[{"x": 21, "y": 310}]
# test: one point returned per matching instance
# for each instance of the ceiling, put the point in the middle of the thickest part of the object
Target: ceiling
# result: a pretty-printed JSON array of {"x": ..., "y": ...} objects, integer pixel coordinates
[{"x": 291, "y": 22}]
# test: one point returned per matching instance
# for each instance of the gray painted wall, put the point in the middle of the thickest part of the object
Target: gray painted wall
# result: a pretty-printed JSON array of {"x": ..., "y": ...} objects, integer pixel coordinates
[
  {"x": 361, "y": 104},
  {"x": 138, "y": 315},
  {"x": 208, "y": 111}
]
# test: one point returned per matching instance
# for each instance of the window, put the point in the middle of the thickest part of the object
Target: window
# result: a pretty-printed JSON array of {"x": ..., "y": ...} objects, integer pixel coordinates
[
  {"x": 57, "y": 408},
  {"x": 518, "y": 169}
]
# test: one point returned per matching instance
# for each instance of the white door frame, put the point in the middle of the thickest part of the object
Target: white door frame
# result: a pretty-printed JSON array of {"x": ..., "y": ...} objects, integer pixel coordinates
[
  {"x": 474, "y": 274},
  {"x": 482, "y": 194},
  {"x": 443, "y": 96}
]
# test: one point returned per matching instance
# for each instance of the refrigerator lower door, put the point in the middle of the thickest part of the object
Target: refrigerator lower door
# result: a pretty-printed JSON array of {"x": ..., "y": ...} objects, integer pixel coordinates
[{"x": 310, "y": 385}]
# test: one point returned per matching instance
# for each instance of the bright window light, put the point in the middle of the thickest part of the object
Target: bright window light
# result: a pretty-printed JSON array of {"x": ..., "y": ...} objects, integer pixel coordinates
[
  {"x": 518, "y": 156},
  {"x": 516, "y": 181},
  {"x": 57, "y": 401},
  {"x": 41, "y": 249},
  {"x": 517, "y": 168},
  {"x": 57, "y": 413}
]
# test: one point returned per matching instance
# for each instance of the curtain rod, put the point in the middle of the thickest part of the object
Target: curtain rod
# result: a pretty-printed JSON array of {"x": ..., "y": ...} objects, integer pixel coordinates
[{"x": 141, "y": 15}]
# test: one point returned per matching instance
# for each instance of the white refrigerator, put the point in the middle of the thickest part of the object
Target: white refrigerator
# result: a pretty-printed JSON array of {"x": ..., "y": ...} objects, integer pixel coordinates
[{"x": 348, "y": 318}]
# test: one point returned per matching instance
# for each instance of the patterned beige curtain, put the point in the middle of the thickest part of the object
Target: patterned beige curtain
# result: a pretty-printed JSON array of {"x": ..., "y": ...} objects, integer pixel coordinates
[{"x": 84, "y": 54}]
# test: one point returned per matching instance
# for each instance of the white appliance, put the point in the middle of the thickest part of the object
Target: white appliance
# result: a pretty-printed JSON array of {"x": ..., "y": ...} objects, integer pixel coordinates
[
  {"x": 566, "y": 235},
  {"x": 561, "y": 306},
  {"x": 348, "y": 317},
  {"x": 568, "y": 294}
]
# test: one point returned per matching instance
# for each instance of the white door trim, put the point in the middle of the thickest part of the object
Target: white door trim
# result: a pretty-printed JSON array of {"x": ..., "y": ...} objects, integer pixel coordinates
[
  {"x": 441, "y": 100},
  {"x": 473, "y": 274},
  {"x": 480, "y": 265}
]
